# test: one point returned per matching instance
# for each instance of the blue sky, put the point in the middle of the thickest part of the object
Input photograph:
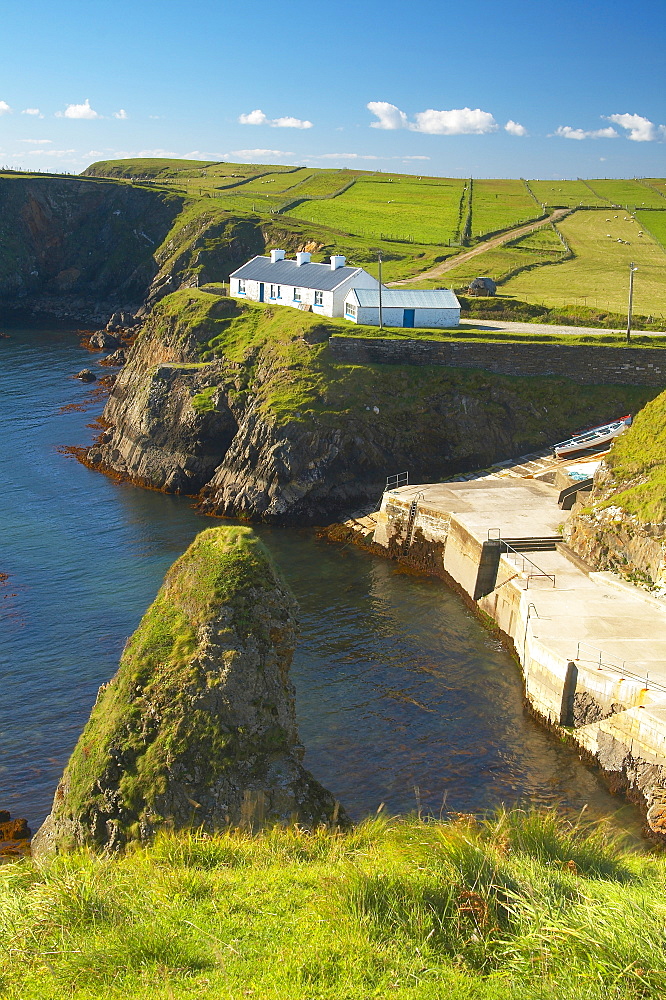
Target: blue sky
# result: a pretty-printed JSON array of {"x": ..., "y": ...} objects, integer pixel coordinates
[{"x": 527, "y": 88}]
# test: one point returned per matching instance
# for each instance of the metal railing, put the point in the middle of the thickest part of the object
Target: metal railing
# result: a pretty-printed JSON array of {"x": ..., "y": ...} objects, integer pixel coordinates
[
  {"x": 524, "y": 559},
  {"x": 395, "y": 482},
  {"x": 606, "y": 662}
]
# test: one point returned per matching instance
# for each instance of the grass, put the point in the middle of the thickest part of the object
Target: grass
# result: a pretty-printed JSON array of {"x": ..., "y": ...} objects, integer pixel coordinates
[
  {"x": 655, "y": 224},
  {"x": 501, "y": 204},
  {"x": 564, "y": 194},
  {"x": 628, "y": 193},
  {"x": 520, "y": 905},
  {"x": 425, "y": 211},
  {"x": 638, "y": 464},
  {"x": 223, "y": 566},
  {"x": 599, "y": 274}
]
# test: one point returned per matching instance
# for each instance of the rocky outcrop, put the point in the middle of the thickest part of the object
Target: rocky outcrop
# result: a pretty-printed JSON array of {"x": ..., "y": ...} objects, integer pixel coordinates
[
  {"x": 82, "y": 249},
  {"x": 247, "y": 408},
  {"x": 197, "y": 728},
  {"x": 621, "y": 526}
]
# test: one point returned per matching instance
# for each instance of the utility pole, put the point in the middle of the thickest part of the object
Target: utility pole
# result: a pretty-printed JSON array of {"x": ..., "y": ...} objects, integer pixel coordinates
[
  {"x": 381, "y": 318},
  {"x": 632, "y": 268}
]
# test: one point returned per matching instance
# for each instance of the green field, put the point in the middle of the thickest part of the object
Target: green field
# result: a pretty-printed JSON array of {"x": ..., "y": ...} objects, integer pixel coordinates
[
  {"x": 394, "y": 207},
  {"x": 501, "y": 204},
  {"x": 417, "y": 221},
  {"x": 599, "y": 274},
  {"x": 564, "y": 194},
  {"x": 628, "y": 193},
  {"x": 519, "y": 906},
  {"x": 655, "y": 224}
]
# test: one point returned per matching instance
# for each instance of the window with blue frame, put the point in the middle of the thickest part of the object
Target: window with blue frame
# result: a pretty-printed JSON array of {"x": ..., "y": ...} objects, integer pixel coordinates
[
  {"x": 297, "y": 294},
  {"x": 241, "y": 287},
  {"x": 350, "y": 310},
  {"x": 319, "y": 298},
  {"x": 275, "y": 292}
]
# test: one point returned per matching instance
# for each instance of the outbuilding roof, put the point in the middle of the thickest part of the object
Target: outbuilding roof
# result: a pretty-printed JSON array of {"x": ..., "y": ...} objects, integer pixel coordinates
[
  {"x": 288, "y": 272},
  {"x": 408, "y": 298}
]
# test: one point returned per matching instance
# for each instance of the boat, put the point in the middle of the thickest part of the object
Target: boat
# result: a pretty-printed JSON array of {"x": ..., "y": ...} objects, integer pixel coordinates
[{"x": 592, "y": 438}]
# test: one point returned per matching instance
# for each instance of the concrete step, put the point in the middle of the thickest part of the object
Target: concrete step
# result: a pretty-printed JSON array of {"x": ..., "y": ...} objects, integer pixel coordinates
[{"x": 547, "y": 543}]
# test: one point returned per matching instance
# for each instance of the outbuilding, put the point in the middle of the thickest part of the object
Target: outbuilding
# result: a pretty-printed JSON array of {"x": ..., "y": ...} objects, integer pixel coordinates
[
  {"x": 319, "y": 288},
  {"x": 422, "y": 308}
]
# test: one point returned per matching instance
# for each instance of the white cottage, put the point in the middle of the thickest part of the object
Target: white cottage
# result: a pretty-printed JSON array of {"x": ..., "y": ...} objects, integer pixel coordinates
[
  {"x": 321, "y": 288},
  {"x": 422, "y": 308}
]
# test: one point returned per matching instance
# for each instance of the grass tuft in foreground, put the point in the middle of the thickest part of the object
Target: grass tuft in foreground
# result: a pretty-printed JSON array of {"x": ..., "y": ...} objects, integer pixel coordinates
[{"x": 523, "y": 905}]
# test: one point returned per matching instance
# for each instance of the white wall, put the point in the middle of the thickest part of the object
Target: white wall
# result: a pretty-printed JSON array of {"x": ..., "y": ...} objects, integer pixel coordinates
[
  {"x": 333, "y": 301},
  {"x": 424, "y": 319}
]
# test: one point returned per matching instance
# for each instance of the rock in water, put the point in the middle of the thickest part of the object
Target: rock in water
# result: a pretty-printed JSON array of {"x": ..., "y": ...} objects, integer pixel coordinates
[
  {"x": 197, "y": 728},
  {"x": 86, "y": 375}
]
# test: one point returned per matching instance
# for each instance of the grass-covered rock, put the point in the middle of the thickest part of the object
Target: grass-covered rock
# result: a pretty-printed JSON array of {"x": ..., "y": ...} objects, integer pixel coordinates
[
  {"x": 246, "y": 405},
  {"x": 623, "y": 525},
  {"x": 522, "y": 906},
  {"x": 197, "y": 728}
]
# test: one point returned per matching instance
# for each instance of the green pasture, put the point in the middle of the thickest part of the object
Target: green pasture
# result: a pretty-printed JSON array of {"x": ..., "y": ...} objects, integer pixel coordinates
[
  {"x": 656, "y": 182},
  {"x": 518, "y": 906},
  {"x": 325, "y": 182},
  {"x": 275, "y": 182},
  {"x": 393, "y": 206},
  {"x": 655, "y": 224},
  {"x": 501, "y": 204},
  {"x": 599, "y": 273},
  {"x": 628, "y": 192},
  {"x": 543, "y": 239},
  {"x": 564, "y": 194}
]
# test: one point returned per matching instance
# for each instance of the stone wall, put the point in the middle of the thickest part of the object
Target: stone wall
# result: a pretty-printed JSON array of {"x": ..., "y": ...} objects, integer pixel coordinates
[{"x": 588, "y": 365}]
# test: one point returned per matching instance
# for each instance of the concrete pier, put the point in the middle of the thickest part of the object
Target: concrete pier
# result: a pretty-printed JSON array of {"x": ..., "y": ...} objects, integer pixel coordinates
[{"x": 592, "y": 648}]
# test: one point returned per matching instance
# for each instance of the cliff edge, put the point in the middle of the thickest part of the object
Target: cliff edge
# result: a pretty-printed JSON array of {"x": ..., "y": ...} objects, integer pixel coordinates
[
  {"x": 197, "y": 728},
  {"x": 622, "y": 526}
]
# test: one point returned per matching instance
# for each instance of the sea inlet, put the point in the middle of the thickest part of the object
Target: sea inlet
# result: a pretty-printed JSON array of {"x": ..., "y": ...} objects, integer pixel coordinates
[{"x": 403, "y": 697}]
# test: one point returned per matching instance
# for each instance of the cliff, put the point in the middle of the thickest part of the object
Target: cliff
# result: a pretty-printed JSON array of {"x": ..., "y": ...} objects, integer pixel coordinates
[
  {"x": 81, "y": 249},
  {"x": 245, "y": 406},
  {"x": 622, "y": 526},
  {"x": 197, "y": 728}
]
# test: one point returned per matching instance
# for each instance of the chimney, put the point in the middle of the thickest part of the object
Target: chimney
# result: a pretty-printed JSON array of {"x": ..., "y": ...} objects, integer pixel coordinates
[
  {"x": 336, "y": 262},
  {"x": 302, "y": 257},
  {"x": 277, "y": 255}
]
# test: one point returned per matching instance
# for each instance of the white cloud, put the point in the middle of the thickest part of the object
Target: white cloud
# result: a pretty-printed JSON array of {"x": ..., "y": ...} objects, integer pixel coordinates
[
  {"x": 514, "y": 128},
  {"x": 59, "y": 153},
  {"x": 37, "y": 142},
  {"x": 4, "y": 108},
  {"x": 258, "y": 152},
  {"x": 459, "y": 121},
  {"x": 415, "y": 157},
  {"x": 346, "y": 156},
  {"x": 78, "y": 111},
  {"x": 389, "y": 117},
  {"x": 567, "y": 132},
  {"x": 640, "y": 129},
  {"x": 122, "y": 114},
  {"x": 258, "y": 117},
  {"x": 35, "y": 112}
]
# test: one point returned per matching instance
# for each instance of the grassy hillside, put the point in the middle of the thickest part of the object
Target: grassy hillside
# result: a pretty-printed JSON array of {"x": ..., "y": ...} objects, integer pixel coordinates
[
  {"x": 599, "y": 273},
  {"x": 518, "y": 907},
  {"x": 418, "y": 221},
  {"x": 638, "y": 465}
]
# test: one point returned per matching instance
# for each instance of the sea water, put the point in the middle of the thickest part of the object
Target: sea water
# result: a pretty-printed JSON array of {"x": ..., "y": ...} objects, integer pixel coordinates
[{"x": 403, "y": 698}]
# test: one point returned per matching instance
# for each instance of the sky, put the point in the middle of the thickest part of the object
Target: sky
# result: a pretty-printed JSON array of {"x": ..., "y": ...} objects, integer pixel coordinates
[{"x": 518, "y": 88}]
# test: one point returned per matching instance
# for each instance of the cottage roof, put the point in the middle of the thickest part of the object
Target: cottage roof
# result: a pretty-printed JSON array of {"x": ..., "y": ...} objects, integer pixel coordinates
[
  {"x": 288, "y": 272},
  {"x": 408, "y": 298}
]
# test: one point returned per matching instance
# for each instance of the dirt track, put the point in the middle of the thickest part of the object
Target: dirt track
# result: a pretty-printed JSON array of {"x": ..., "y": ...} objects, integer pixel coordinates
[{"x": 496, "y": 241}]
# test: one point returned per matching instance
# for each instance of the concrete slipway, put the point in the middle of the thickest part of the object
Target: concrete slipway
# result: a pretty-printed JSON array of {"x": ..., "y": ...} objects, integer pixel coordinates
[{"x": 592, "y": 647}]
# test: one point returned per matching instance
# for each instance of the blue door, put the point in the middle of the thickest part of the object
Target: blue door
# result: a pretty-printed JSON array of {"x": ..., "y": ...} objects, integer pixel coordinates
[
  {"x": 408, "y": 317},
  {"x": 261, "y": 294}
]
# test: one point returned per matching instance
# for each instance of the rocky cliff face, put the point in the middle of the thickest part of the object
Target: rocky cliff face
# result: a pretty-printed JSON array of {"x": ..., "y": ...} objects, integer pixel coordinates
[
  {"x": 622, "y": 526},
  {"x": 197, "y": 728},
  {"x": 82, "y": 249},
  {"x": 245, "y": 407}
]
